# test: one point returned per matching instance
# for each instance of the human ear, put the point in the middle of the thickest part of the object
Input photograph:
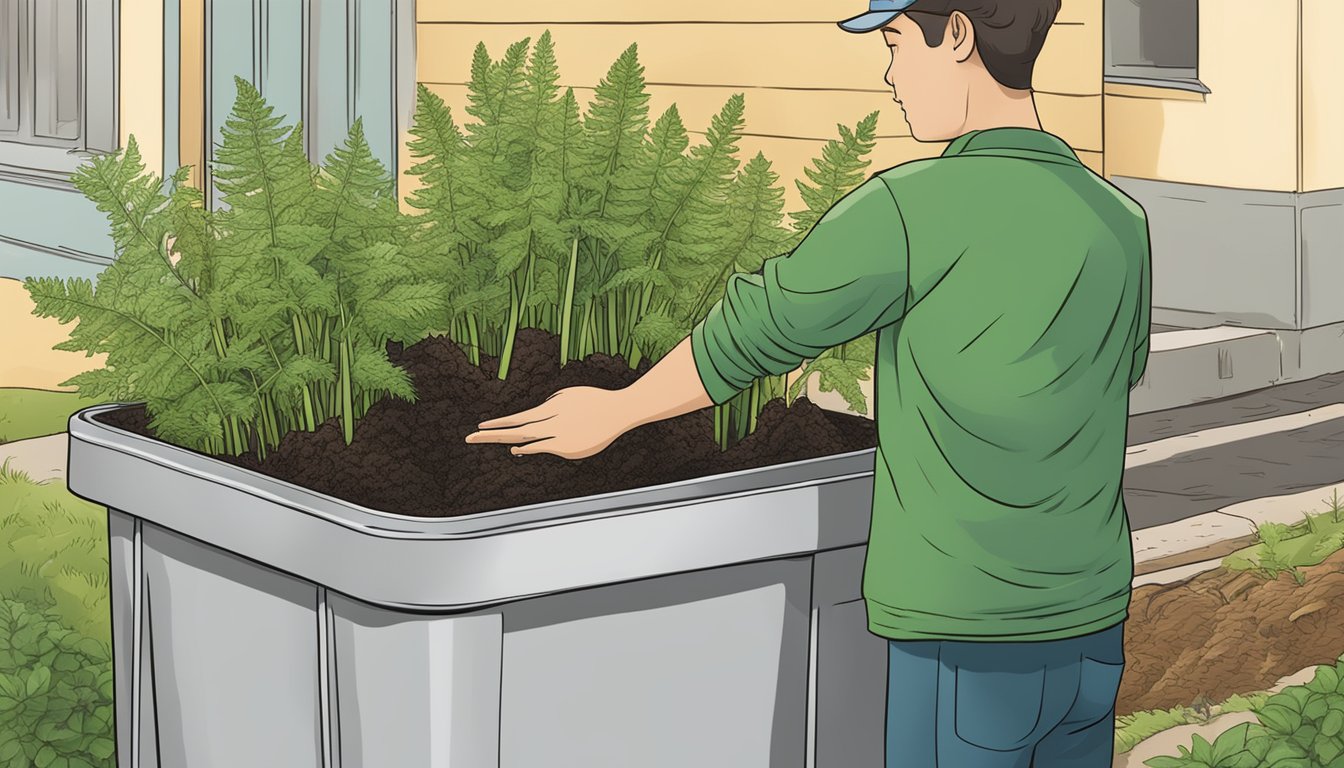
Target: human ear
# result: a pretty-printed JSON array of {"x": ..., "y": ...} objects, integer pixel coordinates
[{"x": 962, "y": 35}]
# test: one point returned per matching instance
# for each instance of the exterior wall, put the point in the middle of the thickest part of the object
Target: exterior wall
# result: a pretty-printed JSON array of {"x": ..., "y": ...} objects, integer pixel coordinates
[
  {"x": 1244, "y": 134},
  {"x": 1322, "y": 96},
  {"x": 821, "y": 75},
  {"x": 141, "y": 82},
  {"x": 1242, "y": 185}
]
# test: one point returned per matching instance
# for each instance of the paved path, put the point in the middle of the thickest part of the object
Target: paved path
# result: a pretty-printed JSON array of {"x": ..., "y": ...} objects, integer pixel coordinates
[
  {"x": 1201, "y": 458},
  {"x": 41, "y": 457}
]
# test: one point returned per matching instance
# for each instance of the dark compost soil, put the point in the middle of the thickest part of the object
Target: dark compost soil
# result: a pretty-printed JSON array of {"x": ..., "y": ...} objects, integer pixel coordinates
[
  {"x": 1224, "y": 632},
  {"x": 411, "y": 458}
]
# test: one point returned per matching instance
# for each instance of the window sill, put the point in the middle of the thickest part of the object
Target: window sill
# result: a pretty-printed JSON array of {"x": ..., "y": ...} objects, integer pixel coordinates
[
  {"x": 1154, "y": 88},
  {"x": 41, "y": 166}
]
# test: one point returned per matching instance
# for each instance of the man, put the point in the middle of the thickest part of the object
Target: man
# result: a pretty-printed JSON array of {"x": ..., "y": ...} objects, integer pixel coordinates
[{"x": 1010, "y": 289}]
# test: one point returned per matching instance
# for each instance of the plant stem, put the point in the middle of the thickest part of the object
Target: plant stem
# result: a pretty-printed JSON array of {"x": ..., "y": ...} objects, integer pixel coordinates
[
  {"x": 309, "y": 416},
  {"x": 754, "y": 408},
  {"x": 612, "y": 341},
  {"x": 347, "y": 406},
  {"x": 568, "y": 311},
  {"x": 586, "y": 331},
  {"x": 475, "y": 339}
]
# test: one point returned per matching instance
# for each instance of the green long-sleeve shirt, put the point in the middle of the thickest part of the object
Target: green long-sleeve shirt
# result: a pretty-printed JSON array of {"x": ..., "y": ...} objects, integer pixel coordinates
[{"x": 1010, "y": 289}]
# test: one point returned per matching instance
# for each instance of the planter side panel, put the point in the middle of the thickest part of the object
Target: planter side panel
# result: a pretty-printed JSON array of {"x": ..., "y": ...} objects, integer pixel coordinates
[
  {"x": 707, "y": 669},
  {"x": 415, "y": 691},
  {"x": 132, "y": 670},
  {"x": 851, "y": 692},
  {"x": 234, "y": 655}
]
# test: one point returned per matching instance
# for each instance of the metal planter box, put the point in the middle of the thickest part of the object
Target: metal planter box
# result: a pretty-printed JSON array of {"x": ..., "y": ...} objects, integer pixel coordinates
[{"x": 712, "y": 622}]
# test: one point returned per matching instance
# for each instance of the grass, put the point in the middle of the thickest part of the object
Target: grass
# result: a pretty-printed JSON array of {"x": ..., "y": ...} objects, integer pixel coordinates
[
  {"x": 1134, "y": 728},
  {"x": 1281, "y": 547},
  {"x": 54, "y": 542},
  {"x": 26, "y": 413}
]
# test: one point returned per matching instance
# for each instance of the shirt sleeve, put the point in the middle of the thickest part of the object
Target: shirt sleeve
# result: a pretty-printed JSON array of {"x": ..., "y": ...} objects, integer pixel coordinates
[
  {"x": 848, "y": 277},
  {"x": 1140, "y": 354}
]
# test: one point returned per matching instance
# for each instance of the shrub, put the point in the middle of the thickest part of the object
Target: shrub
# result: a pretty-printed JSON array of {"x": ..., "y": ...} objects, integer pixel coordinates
[{"x": 55, "y": 691}]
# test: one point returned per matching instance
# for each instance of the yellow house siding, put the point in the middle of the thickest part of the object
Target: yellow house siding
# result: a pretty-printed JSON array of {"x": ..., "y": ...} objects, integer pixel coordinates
[
  {"x": 140, "y": 112},
  {"x": 1244, "y": 133},
  {"x": 191, "y": 89},
  {"x": 699, "y": 53},
  {"x": 1322, "y": 95}
]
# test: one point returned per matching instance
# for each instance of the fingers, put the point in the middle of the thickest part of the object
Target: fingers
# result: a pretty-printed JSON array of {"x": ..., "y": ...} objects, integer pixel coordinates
[
  {"x": 539, "y": 413},
  {"x": 522, "y": 434},
  {"x": 541, "y": 446}
]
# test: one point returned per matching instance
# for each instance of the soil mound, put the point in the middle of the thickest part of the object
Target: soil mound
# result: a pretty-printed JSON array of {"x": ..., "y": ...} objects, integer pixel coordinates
[
  {"x": 1224, "y": 632},
  {"x": 410, "y": 458}
]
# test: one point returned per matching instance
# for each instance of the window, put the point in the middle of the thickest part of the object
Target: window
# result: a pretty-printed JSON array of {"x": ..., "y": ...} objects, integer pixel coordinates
[
  {"x": 1153, "y": 42},
  {"x": 57, "y": 84}
]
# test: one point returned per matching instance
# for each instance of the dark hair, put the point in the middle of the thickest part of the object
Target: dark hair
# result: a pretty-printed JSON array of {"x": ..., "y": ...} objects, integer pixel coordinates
[{"x": 1009, "y": 33}]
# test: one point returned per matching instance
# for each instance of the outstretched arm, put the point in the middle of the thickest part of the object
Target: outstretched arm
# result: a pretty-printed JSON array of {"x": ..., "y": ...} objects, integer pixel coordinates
[{"x": 848, "y": 277}]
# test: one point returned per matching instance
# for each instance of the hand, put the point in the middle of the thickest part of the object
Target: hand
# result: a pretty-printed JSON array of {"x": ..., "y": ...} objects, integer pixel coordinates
[{"x": 573, "y": 423}]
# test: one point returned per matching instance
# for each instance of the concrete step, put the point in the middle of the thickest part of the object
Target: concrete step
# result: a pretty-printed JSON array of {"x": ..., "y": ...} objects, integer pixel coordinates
[{"x": 1199, "y": 364}]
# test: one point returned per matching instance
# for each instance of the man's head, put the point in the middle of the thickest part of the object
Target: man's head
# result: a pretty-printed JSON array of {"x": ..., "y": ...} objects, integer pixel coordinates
[{"x": 943, "y": 51}]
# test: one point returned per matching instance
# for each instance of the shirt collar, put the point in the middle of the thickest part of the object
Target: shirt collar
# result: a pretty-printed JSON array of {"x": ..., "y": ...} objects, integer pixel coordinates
[{"x": 1012, "y": 141}]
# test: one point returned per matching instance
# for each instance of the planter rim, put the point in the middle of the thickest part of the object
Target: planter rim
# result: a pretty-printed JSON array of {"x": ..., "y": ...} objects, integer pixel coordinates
[
  {"x": 464, "y": 563},
  {"x": 852, "y": 465}
]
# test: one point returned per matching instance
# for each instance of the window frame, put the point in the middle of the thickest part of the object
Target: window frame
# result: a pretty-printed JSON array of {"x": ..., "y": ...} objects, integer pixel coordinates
[
  {"x": 25, "y": 156},
  {"x": 1149, "y": 75}
]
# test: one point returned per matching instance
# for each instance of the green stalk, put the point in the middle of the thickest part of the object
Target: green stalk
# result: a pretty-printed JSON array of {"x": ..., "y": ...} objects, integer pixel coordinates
[
  {"x": 754, "y": 408},
  {"x": 309, "y": 416},
  {"x": 508, "y": 334},
  {"x": 475, "y": 339},
  {"x": 586, "y": 331},
  {"x": 720, "y": 427},
  {"x": 568, "y": 311},
  {"x": 347, "y": 406},
  {"x": 612, "y": 341}
]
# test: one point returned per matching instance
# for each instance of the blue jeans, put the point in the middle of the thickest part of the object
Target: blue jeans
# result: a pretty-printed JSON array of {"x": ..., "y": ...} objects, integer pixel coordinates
[{"x": 962, "y": 704}]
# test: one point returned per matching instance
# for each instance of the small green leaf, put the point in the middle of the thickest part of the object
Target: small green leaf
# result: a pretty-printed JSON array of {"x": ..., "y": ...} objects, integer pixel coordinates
[
  {"x": 38, "y": 680},
  {"x": 102, "y": 748},
  {"x": 1280, "y": 718},
  {"x": 1332, "y": 723}
]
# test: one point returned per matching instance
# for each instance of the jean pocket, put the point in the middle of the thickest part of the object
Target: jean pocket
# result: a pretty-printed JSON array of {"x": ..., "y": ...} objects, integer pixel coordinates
[
  {"x": 998, "y": 709},
  {"x": 1098, "y": 688}
]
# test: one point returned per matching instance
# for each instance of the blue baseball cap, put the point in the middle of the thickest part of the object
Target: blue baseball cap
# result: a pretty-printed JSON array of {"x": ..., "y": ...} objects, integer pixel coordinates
[{"x": 880, "y": 14}]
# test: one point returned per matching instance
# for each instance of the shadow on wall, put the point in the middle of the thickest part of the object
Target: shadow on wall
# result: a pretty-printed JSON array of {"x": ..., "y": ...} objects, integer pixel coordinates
[{"x": 26, "y": 355}]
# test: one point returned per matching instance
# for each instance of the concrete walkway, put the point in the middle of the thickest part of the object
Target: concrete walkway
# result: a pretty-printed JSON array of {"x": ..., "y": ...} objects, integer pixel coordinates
[{"x": 41, "y": 458}]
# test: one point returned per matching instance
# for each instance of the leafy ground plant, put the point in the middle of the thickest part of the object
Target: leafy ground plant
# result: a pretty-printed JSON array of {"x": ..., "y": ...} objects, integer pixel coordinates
[
  {"x": 55, "y": 657},
  {"x": 238, "y": 325},
  {"x": 55, "y": 691},
  {"x": 1301, "y": 727},
  {"x": 605, "y": 226},
  {"x": 1135, "y": 727}
]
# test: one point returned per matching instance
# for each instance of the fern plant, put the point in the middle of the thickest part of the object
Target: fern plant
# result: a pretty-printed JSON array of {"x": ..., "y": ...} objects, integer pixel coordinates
[
  {"x": 269, "y": 316},
  {"x": 615, "y": 235}
]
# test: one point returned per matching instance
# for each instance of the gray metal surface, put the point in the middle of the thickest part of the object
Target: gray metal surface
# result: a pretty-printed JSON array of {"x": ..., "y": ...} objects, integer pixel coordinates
[
  {"x": 234, "y": 658},
  {"x": 476, "y": 560},
  {"x": 699, "y": 669},
  {"x": 259, "y": 623},
  {"x": 415, "y": 691}
]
